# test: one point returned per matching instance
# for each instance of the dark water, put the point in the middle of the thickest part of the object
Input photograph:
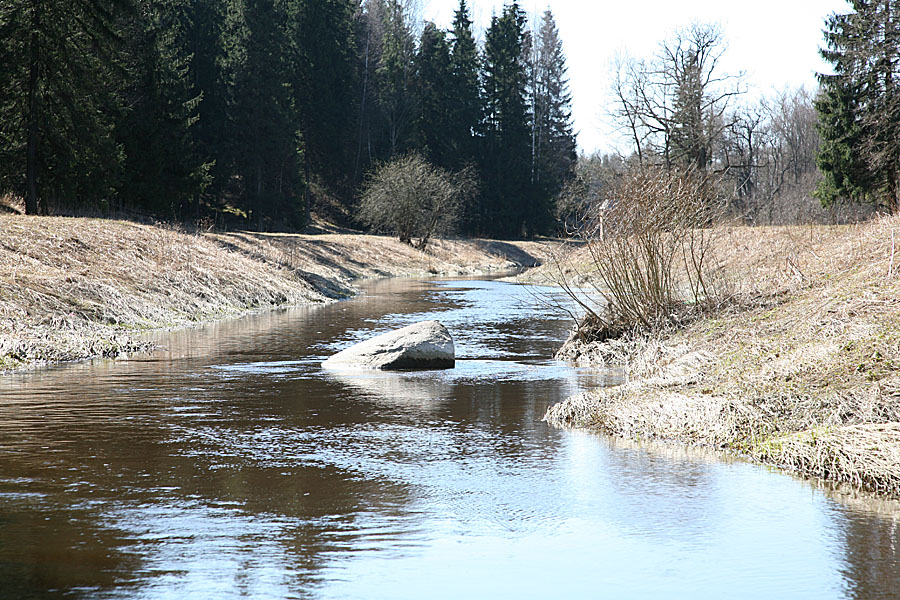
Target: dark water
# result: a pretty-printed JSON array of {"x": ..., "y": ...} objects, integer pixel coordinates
[{"x": 230, "y": 465}]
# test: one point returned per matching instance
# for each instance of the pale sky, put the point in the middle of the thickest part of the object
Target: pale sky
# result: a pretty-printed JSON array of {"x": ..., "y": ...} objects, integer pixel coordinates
[{"x": 775, "y": 42}]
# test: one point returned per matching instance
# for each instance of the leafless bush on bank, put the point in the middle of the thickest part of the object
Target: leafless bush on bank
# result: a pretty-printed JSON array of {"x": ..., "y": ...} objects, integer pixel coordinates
[
  {"x": 649, "y": 244},
  {"x": 411, "y": 198}
]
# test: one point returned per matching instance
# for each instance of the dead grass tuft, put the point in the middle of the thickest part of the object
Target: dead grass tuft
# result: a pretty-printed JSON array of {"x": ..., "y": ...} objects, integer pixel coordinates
[
  {"x": 12, "y": 204},
  {"x": 863, "y": 456}
]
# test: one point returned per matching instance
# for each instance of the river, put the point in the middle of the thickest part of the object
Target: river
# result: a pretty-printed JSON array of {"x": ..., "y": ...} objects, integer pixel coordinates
[{"x": 228, "y": 464}]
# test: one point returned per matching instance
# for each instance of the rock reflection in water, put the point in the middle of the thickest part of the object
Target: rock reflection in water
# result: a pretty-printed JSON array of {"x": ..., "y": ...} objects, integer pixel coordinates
[{"x": 405, "y": 390}]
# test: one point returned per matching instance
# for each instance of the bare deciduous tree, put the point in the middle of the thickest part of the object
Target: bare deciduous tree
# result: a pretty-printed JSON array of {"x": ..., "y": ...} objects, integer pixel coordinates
[
  {"x": 650, "y": 248},
  {"x": 674, "y": 106},
  {"x": 768, "y": 156}
]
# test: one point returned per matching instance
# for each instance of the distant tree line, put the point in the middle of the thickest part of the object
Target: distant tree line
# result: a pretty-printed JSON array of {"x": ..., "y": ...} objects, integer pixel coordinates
[
  {"x": 266, "y": 109},
  {"x": 792, "y": 156},
  {"x": 679, "y": 110}
]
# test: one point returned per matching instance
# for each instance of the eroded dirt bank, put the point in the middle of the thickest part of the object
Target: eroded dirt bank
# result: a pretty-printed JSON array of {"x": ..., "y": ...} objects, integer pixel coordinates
[{"x": 73, "y": 289}]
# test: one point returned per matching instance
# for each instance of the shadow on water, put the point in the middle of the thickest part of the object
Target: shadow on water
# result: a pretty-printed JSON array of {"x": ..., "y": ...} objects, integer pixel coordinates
[{"x": 230, "y": 465}]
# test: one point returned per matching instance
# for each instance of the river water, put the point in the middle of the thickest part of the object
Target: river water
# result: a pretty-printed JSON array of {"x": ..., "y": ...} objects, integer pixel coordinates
[{"x": 230, "y": 465}]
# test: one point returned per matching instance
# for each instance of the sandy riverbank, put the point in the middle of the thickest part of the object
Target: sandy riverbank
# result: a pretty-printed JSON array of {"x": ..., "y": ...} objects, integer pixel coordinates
[
  {"x": 801, "y": 372},
  {"x": 73, "y": 289}
]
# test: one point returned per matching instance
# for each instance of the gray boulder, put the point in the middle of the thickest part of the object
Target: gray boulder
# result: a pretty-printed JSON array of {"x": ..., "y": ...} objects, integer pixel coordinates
[{"x": 425, "y": 345}]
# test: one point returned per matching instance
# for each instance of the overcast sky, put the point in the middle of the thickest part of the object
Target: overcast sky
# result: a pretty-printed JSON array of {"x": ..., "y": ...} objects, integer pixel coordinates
[{"x": 775, "y": 42}]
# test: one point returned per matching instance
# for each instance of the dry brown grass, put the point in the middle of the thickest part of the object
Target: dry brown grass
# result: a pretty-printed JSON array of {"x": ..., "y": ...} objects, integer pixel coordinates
[
  {"x": 78, "y": 288},
  {"x": 802, "y": 373},
  {"x": 864, "y": 456},
  {"x": 12, "y": 204},
  {"x": 346, "y": 257}
]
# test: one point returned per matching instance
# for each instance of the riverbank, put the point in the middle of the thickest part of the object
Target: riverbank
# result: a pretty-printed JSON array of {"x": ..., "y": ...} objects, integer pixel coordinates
[
  {"x": 73, "y": 289},
  {"x": 802, "y": 371}
]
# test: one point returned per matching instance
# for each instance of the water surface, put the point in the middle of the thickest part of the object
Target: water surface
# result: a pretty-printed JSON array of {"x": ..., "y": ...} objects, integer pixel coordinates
[{"x": 230, "y": 465}]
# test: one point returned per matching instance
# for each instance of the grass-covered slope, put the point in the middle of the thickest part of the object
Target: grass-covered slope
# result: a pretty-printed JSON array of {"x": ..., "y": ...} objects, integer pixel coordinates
[
  {"x": 803, "y": 371},
  {"x": 78, "y": 288}
]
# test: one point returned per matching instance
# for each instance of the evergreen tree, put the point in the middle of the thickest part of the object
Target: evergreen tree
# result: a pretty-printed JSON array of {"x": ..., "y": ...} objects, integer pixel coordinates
[
  {"x": 465, "y": 85},
  {"x": 265, "y": 147},
  {"x": 435, "y": 97},
  {"x": 62, "y": 71},
  {"x": 211, "y": 134},
  {"x": 163, "y": 171},
  {"x": 553, "y": 142},
  {"x": 324, "y": 49},
  {"x": 396, "y": 76},
  {"x": 507, "y": 194},
  {"x": 859, "y": 105},
  {"x": 845, "y": 173}
]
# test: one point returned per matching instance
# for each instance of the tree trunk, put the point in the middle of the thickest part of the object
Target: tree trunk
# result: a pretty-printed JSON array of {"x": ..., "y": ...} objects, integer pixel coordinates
[
  {"x": 893, "y": 200},
  {"x": 31, "y": 191},
  {"x": 307, "y": 197}
]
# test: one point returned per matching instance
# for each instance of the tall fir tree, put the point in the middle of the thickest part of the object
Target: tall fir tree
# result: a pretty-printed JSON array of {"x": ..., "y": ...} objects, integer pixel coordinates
[
  {"x": 323, "y": 46},
  {"x": 396, "y": 76},
  {"x": 506, "y": 165},
  {"x": 859, "y": 105},
  {"x": 465, "y": 85},
  {"x": 204, "y": 44},
  {"x": 553, "y": 141},
  {"x": 264, "y": 150},
  {"x": 435, "y": 136},
  {"x": 62, "y": 69},
  {"x": 164, "y": 171}
]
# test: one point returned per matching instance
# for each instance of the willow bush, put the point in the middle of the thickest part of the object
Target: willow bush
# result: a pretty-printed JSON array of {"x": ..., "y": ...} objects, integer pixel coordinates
[
  {"x": 649, "y": 244},
  {"x": 411, "y": 198}
]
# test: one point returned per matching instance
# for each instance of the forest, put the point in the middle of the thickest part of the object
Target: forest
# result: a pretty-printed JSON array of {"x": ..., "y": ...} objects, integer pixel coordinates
[{"x": 261, "y": 113}]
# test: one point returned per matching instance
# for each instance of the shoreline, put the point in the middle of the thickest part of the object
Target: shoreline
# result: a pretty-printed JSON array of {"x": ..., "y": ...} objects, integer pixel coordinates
[
  {"x": 801, "y": 372},
  {"x": 74, "y": 289}
]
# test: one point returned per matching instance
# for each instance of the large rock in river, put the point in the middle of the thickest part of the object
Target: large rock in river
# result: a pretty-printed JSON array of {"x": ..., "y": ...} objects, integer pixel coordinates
[{"x": 425, "y": 345}]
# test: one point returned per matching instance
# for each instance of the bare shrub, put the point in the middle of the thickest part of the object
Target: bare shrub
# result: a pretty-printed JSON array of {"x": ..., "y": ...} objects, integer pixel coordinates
[
  {"x": 411, "y": 198},
  {"x": 650, "y": 249}
]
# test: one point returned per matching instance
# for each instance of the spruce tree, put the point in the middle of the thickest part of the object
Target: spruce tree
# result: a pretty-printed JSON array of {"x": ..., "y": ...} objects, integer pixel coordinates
[
  {"x": 264, "y": 149},
  {"x": 205, "y": 28},
  {"x": 396, "y": 76},
  {"x": 323, "y": 46},
  {"x": 163, "y": 170},
  {"x": 435, "y": 97},
  {"x": 506, "y": 166},
  {"x": 465, "y": 85},
  {"x": 553, "y": 141},
  {"x": 859, "y": 105},
  {"x": 62, "y": 70}
]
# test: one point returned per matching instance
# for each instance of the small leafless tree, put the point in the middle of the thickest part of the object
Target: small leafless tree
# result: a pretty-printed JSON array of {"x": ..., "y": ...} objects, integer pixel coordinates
[
  {"x": 768, "y": 158},
  {"x": 411, "y": 198}
]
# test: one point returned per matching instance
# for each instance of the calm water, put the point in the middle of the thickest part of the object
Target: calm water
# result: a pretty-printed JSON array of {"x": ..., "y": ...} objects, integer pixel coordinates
[{"x": 229, "y": 465}]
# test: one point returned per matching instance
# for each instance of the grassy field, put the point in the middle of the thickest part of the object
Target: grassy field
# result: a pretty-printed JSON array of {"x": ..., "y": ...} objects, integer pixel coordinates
[
  {"x": 801, "y": 370},
  {"x": 73, "y": 289}
]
